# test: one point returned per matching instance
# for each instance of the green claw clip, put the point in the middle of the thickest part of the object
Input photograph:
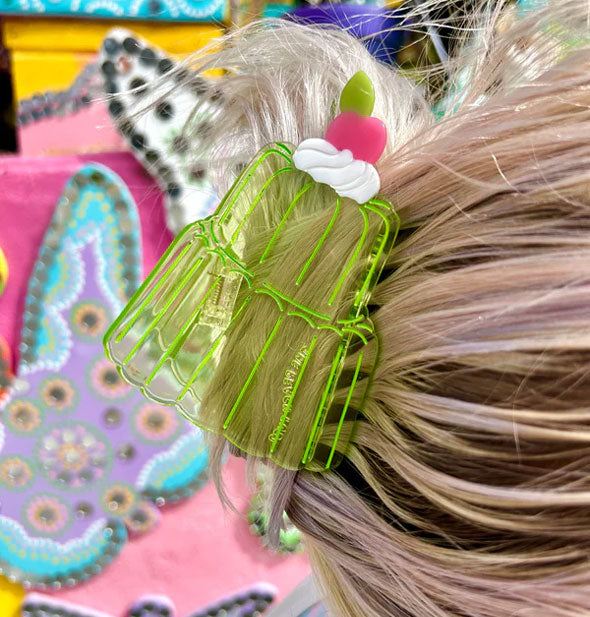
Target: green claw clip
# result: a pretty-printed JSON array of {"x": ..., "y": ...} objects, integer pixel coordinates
[{"x": 254, "y": 323}]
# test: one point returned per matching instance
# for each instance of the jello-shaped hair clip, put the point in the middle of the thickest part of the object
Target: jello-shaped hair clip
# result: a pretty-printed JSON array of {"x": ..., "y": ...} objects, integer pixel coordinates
[{"x": 254, "y": 324}]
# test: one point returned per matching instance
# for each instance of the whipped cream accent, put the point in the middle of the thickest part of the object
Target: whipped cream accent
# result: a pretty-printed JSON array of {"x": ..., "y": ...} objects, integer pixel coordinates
[{"x": 326, "y": 164}]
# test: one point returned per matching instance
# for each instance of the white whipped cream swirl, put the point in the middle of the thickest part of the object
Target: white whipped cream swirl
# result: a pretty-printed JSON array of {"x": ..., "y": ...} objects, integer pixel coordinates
[{"x": 326, "y": 164}]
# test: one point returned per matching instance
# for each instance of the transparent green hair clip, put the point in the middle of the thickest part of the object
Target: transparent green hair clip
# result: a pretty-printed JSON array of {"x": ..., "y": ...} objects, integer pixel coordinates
[{"x": 254, "y": 323}]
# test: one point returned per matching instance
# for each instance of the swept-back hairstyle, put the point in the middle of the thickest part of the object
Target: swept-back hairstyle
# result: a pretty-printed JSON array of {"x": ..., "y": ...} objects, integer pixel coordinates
[{"x": 466, "y": 491}]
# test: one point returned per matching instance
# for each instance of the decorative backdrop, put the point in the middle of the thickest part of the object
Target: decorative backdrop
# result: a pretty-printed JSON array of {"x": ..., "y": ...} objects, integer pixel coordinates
[
  {"x": 182, "y": 557},
  {"x": 165, "y": 10},
  {"x": 85, "y": 459}
]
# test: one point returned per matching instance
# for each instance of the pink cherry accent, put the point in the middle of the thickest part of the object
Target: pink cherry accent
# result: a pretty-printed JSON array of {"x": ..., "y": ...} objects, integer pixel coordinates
[{"x": 364, "y": 137}]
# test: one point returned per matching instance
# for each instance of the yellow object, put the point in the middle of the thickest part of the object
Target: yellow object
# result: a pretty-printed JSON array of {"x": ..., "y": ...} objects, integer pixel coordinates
[
  {"x": 48, "y": 54},
  {"x": 11, "y": 596},
  {"x": 86, "y": 36},
  {"x": 39, "y": 71},
  {"x": 3, "y": 276}
]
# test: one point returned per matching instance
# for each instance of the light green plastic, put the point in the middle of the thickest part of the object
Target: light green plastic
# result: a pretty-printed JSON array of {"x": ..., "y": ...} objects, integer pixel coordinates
[
  {"x": 358, "y": 95},
  {"x": 222, "y": 281}
]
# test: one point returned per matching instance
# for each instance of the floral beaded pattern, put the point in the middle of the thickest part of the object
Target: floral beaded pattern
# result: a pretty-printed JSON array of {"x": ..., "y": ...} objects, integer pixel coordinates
[
  {"x": 22, "y": 416},
  {"x": 47, "y": 514},
  {"x": 83, "y": 462},
  {"x": 16, "y": 472},
  {"x": 58, "y": 394}
]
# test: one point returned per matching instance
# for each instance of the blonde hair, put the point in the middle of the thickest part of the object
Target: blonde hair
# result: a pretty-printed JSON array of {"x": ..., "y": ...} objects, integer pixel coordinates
[{"x": 466, "y": 491}]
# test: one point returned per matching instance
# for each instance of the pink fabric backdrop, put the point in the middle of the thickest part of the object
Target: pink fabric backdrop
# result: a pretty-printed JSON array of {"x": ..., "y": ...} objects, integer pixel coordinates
[
  {"x": 88, "y": 130},
  {"x": 199, "y": 552}
]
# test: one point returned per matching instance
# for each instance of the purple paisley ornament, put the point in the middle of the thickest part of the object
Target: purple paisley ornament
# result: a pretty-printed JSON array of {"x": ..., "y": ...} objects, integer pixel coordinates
[{"x": 84, "y": 458}]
